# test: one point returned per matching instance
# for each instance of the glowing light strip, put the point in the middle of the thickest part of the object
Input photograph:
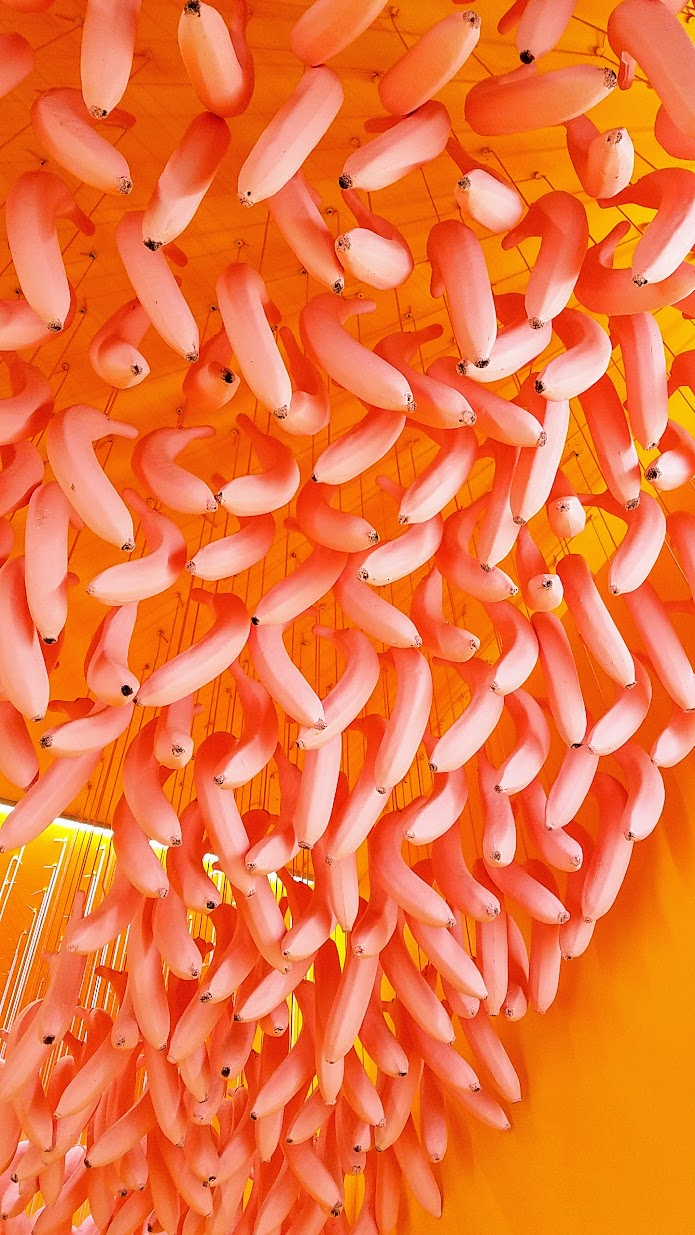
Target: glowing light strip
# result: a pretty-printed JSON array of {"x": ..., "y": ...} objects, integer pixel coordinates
[{"x": 85, "y": 825}]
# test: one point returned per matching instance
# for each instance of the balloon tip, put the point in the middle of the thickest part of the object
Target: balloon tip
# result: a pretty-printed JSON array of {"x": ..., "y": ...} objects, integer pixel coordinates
[
  {"x": 462, "y": 367},
  {"x": 193, "y": 7},
  {"x": 46, "y": 741},
  {"x": 563, "y": 917},
  {"x": 55, "y": 327},
  {"x": 126, "y": 691},
  {"x": 539, "y": 386},
  {"x": 97, "y": 113},
  {"x": 464, "y": 184},
  {"x": 345, "y": 181},
  {"x": 128, "y": 546},
  {"x": 610, "y": 78},
  {"x": 535, "y": 323},
  {"x": 344, "y": 243},
  {"x": 526, "y": 57},
  {"x": 338, "y": 287},
  {"x": 255, "y": 621},
  {"x": 280, "y": 413},
  {"x": 125, "y": 185},
  {"x": 245, "y": 199},
  {"x": 482, "y": 362},
  {"x": 152, "y": 245}
]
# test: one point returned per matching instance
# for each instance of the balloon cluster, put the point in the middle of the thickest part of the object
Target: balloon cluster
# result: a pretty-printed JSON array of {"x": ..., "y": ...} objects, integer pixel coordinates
[{"x": 243, "y": 1080}]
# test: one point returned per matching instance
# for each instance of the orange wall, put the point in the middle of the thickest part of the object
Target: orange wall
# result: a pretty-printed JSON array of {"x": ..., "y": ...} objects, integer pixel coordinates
[{"x": 603, "y": 1141}]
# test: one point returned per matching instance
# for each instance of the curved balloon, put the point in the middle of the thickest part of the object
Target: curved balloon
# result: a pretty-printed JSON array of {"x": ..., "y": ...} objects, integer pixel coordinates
[
  {"x": 106, "y": 54},
  {"x": 59, "y": 121},
  {"x": 560, "y": 221},
  {"x": 114, "y": 351},
  {"x": 291, "y": 135},
  {"x": 34, "y": 203},
  {"x": 216, "y": 56},
  {"x": 403, "y": 148},
  {"x": 524, "y": 100},
  {"x": 430, "y": 63},
  {"x": 189, "y": 172},
  {"x": 603, "y": 161}
]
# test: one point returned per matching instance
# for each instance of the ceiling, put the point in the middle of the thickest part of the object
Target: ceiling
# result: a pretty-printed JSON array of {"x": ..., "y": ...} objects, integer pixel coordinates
[{"x": 161, "y": 99}]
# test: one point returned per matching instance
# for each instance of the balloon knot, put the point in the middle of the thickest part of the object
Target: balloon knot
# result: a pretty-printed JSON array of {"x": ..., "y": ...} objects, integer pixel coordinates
[
  {"x": 363, "y": 574},
  {"x": 411, "y": 404},
  {"x": 482, "y": 363},
  {"x": 193, "y": 7},
  {"x": 542, "y": 438},
  {"x": 46, "y": 741},
  {"x": 228, "y": 376},
  {"x": 610, "y": 78},
  {"x": 125, "y": 185},
  {"x": 219, "y": 779},
  {"x": 126, "y": 691},
  {"x": 255, "y": 621},
  {"x": 539, "y": 386},
  {"x": 462, "y": 367},
  {"x": 338, "y": 287},
  {"x": 97, "y": 113},
  {"x": 320, "y": 724},
  {"x": 343, "y": 243},
  {"x": 464, "y": 184},
  {"x": 151, "y": 244},
  {"x": 486, "y": 567},
  {"x": 245, "y": 199},
  {"x": 632, "y": 504},
  {"x": 526, "y": 57},
  {"x": 280, "y": 413},
  {"x": 191, "y": 357},
  {"x": 128, "y": 546},
  {"x": 345, "y": 181},
  {"x": 55, "y": 327},
  {"x": 535, "y": 323}
]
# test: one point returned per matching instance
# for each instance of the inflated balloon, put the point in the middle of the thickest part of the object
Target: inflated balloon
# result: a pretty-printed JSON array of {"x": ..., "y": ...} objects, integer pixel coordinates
[{"x": 400, "y": 605}]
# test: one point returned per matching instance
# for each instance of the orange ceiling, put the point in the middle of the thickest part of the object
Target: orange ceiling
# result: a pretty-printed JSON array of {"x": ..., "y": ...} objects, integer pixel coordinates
[{"x": 163, "y": 101}]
